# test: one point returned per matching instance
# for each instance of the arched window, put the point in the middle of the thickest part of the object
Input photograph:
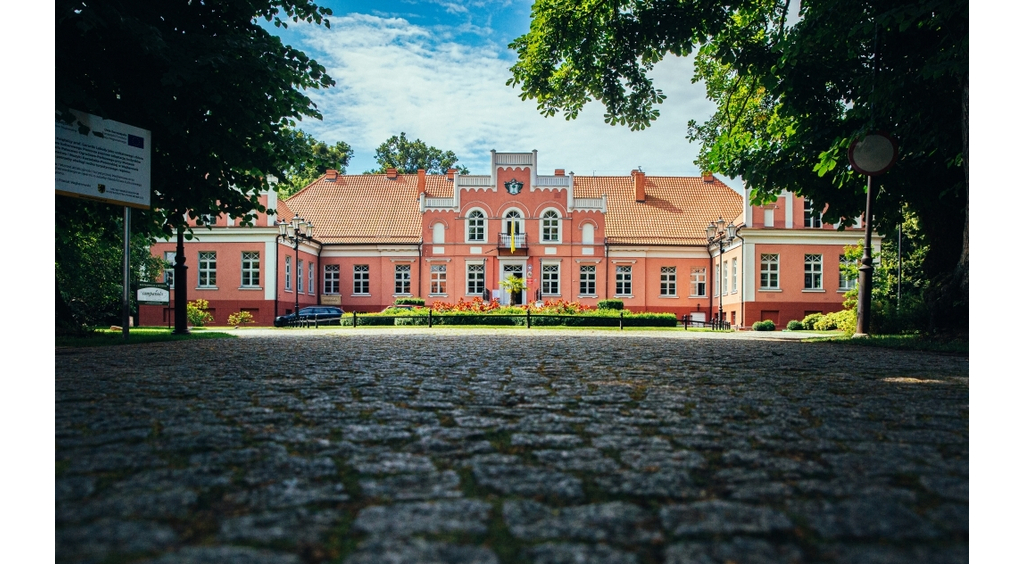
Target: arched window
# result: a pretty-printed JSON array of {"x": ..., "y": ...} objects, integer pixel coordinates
[
  {"x": 476, "y": 227},
  {"x": 588, "y": 233},
  {"x": 513, "y": 217},
  {"x": 438, "y": 233},
  {"x": 550, "y": 227}
]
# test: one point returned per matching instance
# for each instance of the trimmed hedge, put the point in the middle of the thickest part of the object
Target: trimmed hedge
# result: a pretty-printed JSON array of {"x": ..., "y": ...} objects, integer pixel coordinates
[
  {"x": 411, "y": 301},
  {"x": 795, "y": 325},
  {"x": 610, "y": 304},
  {"x": 598, "y": 318},
  {"x": 766, "y": 325}
]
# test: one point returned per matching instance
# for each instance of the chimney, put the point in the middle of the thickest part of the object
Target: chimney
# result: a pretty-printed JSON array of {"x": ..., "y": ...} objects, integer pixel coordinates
[
  {"x": 451, "y": 174},
  {"x": 639, "y": 179},
  {"x": 707, "y": 176},
  {"x": 392, "y": 173},
  {"x": 559, "y": 172},
  {"x": 421, "y": 181},
  {"x": 332, "y": 175}
]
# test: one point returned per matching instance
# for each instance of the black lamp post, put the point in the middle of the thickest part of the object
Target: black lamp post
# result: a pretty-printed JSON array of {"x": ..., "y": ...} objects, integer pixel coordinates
[
  {"x": 295, "y": 232},
  {"x": 721, "y": 234}
]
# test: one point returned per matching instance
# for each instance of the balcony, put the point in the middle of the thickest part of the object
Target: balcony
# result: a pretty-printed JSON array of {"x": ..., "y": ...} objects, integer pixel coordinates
[{"x": 505, "y": 241}]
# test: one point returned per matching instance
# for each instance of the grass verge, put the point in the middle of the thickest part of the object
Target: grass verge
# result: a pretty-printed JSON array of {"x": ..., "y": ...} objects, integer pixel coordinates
[
  {"x": 905, "y": 342},
  {"x": 137, "y": 335}
]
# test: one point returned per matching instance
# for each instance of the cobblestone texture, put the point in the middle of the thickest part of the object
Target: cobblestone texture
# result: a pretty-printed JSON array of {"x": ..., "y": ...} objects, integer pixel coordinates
[{"x": 462, "y": 446}]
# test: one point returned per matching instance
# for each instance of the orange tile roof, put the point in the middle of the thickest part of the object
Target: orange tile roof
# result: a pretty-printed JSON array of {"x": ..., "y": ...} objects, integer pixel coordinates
[
  {"x": 676, "y": 211},
  {"x": 364, "y": 208}
]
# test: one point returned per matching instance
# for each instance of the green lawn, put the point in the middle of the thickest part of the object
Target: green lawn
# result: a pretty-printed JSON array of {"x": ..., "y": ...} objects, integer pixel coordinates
[
  {"x": 137, "y": 335},
  {"x": 905, "y": 342}
]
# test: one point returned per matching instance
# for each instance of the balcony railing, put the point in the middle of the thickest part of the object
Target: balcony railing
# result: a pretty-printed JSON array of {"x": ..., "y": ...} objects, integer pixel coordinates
[{"x": 505, "y": 241}]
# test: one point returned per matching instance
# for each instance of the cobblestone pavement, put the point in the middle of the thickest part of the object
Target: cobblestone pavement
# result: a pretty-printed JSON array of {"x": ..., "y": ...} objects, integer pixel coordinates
[{"x": 411, "y": 446}]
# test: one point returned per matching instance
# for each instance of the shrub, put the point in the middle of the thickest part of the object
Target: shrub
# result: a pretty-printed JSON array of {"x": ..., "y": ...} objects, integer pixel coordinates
[
  {"x": 794, "y": 325},
  {"x": 810, "y": 320},
  {"x": 240, "y": 318},
  {"x": 610, "y": 304},
  {"x": 766, "y": 325},
  {"x": 197, "y": 314},
  {"x": 411, "y": 301}
]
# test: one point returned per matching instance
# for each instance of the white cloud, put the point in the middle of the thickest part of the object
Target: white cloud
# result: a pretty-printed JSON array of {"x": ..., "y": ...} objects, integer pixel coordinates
[{"x": 394, "y": 76}]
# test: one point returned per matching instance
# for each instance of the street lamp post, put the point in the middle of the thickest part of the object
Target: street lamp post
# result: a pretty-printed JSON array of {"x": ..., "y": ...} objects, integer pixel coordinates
[
  {"x": 720, "y": 234},
  {"x": 295, "y": 232}
]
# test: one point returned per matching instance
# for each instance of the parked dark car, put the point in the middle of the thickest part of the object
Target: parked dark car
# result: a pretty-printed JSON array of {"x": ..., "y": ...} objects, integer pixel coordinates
[{"x": 319, "y": 314}]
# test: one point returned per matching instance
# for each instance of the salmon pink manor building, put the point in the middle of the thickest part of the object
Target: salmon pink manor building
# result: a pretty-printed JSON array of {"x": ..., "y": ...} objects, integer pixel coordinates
[{"x": 642, "y": 239}]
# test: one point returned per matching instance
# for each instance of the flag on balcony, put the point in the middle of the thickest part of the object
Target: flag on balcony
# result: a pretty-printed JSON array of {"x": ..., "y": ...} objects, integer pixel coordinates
[{"x": 512, "y": 233}]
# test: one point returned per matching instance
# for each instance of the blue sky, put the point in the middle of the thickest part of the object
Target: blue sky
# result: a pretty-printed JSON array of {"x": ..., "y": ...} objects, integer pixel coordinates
[{"x": 436, "y": 69}]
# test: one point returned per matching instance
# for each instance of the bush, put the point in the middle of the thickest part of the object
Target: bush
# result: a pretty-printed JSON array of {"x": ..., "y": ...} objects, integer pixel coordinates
[
  {"x": 610, "y": 304},
  {"x": 240, "y": 318},
  {"x": 795, "y": 325},
  {"x": 810, "y": 320},
  {"x": 844, "y": 320},
  {"x": 766, "y": 325},
  {"x": 197, "y": 314},
  {"x": 411, "y": 301}
]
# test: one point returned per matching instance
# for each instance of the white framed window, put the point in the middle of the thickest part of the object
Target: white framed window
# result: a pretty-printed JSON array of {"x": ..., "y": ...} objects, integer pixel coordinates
[
  {"x": 169, "y": 267},
  {"x": 438, "y": 279},
  {"x": 698, "y": 282},
  {"x": 361, "y": 279},
  {"x": 403, "y": 278},
  {"x": 668, "y": 281},
  {"x": 811, "y": 219},
  {"x": 623, "y": 280},
  {"x": 250, "y": 269},
  {"x": 770, "y": 271},
  {"x": 287, "y": 274},
  {"x": 588, "y": 280},
  {"x": 208, "y": 269},
  {"x": 724, "y": 271},
  {"x": 438, "y": 234},
  {"x": 310, "y": 277},
  {"x": 588, "y": 233},
  {"x": 549, "y": 279},
  {"x": 332, "y": 278},
  {"x": 734, "y": 271},
  {"x": 550, "y": 227},
  {"x": 476, "y": 227},
  {"x": 298, "y": 276},
  {"x": 812, "y": 272},
  {"x": 847, "y": 274},
  {"x": 474, "y": 279}
]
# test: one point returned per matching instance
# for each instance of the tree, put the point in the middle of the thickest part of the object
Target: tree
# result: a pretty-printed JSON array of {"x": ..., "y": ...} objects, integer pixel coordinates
[
  {"x": 409, "y": 156},
  {"x": 213, "y": 86},
  {"x": 317, "y": 158},
  {"x": 790, "y": 98}
]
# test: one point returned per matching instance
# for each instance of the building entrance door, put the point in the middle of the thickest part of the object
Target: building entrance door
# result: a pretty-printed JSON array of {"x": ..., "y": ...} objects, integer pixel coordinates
[{"x": 514, "y": 270}]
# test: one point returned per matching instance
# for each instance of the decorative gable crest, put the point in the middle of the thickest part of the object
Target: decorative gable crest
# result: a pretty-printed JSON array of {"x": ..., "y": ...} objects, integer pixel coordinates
[{"x": 514, "y": 186}]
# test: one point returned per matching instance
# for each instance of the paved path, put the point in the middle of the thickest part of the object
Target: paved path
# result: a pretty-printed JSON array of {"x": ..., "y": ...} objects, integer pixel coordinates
[{"x": 414, "y": 446}]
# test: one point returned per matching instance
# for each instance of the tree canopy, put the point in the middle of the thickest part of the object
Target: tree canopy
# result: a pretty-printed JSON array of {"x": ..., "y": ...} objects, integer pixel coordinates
[
  {"x": 316, "y": 158},
  {"x": 791, "y": 96},
  {"x": 409, "y": 156},
  {"x": 215, "y": 88}
]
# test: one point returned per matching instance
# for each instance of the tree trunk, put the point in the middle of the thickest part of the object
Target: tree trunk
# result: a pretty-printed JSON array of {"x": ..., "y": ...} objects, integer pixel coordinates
[{"x": 963, "y": 273}]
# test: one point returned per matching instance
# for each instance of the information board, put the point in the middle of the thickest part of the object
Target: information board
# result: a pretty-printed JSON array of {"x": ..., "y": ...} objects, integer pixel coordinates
[{"x": 110, "y": 163}]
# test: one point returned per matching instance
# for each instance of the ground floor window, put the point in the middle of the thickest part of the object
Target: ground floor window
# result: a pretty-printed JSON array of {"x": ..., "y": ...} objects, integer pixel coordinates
[
  {"x": 812, "y": 272},
  {"x": 623, "y": 280},
  {"x": 311, "y": 276},
  {"x": 698, "y": 282},
  {"x": 169, "y": 257},
  {"x": 250, "y": 269},
  {"x": 361, "y": 279},
  {"x": 668, "y": 281},
  {"x": 549, "y": 279},
  {"x": 474, "y": 279},
  {"x": 332, "y": 277},
  {"x": 207, "y": 269},
  {"x": 588, "y": 280},
  {"x": 438, "y": 279},
  {"x": 770, "y": 271},
  {"x": 403, "y": 278},
  {"x": 847, "y": 274},
  {"x": 287, "y": 274},
  {"x": 298, "y": 276}
]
